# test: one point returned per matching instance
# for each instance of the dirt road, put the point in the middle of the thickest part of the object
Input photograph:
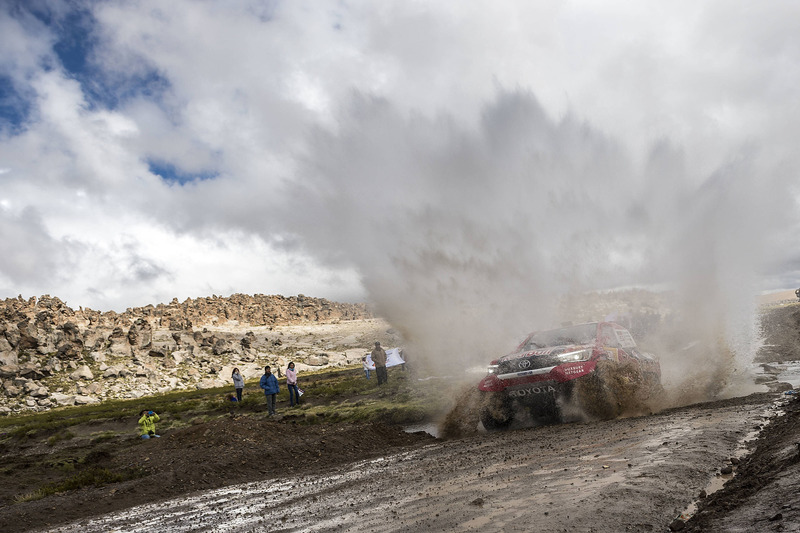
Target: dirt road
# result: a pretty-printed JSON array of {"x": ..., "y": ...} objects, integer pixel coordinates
[{"x": 634, "y": 474}]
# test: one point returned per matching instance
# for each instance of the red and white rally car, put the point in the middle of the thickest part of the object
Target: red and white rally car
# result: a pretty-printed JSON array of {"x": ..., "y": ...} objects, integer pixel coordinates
[{"x": 591, "y": 366}]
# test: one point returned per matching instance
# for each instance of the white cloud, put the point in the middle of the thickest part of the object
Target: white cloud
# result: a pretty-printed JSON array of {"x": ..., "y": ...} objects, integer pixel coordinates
[{"x": 449, "y": 151}]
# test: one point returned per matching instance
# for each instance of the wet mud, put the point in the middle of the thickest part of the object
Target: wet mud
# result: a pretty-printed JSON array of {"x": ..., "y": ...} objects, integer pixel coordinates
[{"x": 628, "y": 474}]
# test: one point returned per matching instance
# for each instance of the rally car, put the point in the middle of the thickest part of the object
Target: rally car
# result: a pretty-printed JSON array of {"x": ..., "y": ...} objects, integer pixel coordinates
[{"x": 593, "y": 367}]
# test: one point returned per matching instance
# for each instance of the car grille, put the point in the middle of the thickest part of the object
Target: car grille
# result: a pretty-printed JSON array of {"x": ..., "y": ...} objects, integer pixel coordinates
[{"x": 518, "y": 365}]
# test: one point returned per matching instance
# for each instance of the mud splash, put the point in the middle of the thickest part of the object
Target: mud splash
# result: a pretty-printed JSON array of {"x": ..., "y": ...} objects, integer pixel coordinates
[
  {"x": 614, "y": 390},
  {"x": 463, "y": 417}
]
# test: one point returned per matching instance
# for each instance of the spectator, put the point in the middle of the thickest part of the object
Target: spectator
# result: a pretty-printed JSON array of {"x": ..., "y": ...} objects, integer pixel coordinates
[
  {"x": 238, "y": 383},
  {"x": 270, "y": 385},
  {"x": 291, "y": 384},
  {"x": 147, "y": 424},
  {"x": 379, "y": 358}
]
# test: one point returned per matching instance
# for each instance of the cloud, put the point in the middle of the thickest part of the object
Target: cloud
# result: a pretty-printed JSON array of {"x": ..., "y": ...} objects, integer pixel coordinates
[
  {"x": 28, "y": 252},
  {"x": 428, "y": 156}
]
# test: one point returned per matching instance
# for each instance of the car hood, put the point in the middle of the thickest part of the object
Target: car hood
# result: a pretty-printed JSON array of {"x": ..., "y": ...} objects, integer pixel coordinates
[{"x": 543, "y": 352}]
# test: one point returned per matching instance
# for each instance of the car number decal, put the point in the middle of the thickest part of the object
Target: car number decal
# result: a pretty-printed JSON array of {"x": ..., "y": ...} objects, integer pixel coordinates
[{"x": 624, "y": 338}]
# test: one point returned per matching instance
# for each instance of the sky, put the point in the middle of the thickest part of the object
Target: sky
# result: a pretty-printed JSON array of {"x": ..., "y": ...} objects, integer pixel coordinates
[{"x": 421, "y": 156}]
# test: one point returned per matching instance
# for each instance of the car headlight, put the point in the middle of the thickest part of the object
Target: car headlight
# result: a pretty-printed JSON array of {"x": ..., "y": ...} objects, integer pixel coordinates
[
  {"x": 580, "y": 355},
  {"x": 492, "y": 369}
]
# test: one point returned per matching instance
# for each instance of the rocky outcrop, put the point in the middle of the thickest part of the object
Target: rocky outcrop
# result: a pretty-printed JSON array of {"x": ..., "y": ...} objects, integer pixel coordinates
[{"x": 52, "y": 355}]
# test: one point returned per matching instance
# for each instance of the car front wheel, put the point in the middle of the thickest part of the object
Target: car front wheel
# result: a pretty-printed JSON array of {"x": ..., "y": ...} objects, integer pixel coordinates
[{"x": 496, "y": 411}]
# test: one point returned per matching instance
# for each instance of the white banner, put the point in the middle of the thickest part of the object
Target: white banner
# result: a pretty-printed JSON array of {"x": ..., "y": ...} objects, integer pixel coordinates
[{"x": 393, "y": 358}]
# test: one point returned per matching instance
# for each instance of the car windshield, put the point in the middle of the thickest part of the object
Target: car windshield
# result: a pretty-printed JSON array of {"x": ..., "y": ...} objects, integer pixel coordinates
[{"x": 583, "y": 334}]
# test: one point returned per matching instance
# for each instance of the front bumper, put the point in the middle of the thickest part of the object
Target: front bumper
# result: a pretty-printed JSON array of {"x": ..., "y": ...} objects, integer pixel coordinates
[{"x": 557, "y": 374}]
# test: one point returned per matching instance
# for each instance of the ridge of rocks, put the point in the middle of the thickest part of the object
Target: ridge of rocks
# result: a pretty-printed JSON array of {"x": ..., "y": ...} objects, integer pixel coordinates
[{"x": 51, "y": 354}]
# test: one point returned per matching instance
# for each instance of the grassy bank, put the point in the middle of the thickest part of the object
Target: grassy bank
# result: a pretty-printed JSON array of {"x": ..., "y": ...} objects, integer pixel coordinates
[
  {"x": 66, "y": 449},
  {"x": 331, "y": 395}
]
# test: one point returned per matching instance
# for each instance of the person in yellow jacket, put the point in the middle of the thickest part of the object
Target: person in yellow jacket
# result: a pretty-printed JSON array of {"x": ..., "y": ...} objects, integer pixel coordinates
[{"x": 147, "y": 424}]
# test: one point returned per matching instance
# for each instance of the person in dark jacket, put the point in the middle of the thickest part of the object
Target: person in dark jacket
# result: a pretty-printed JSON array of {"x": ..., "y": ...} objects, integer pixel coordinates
[
  {"x": 270, "y": 385},
  {"x": 379, "y": 358}
]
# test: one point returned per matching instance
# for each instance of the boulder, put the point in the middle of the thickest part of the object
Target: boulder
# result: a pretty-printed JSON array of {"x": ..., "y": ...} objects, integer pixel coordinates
[
  {"x": 9, "y": 371},
  {"x": 62, "y": 399},
  {"x": 117, "y": 336},
  {"x": 140, "y": 335},
  {"x": 5, "y": 346},
  {"x": 71, "y": 331},
  {"x": 11, "y": 334},
  {"x": 208, "y": 384},
  {"x": 8, "y": 357},
  {"x": 222, "y": 346},
  {"x": 317, "y": 360},
  {"x": 84, "y": 400},
  {"x": 68, "y": 351},
  {"x": 120, "y": 350},
  {"x": 93, "y": 388},
  {"x": 12, "y": 390},
  {"x": 28, "y": 336},
  {"x": 40, "y": 392},
  {"x": 84, "y": 372},
  {"x": 30, "y": 371}
]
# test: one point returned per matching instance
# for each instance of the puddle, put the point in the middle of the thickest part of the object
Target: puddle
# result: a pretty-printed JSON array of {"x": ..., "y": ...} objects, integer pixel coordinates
[{"x": 718, "y": 481}]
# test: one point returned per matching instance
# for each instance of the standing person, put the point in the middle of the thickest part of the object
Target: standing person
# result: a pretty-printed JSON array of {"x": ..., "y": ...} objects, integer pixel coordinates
[
  {"x": 147, "y": 424},
  {"x": 238, "y": 383},
  {"x": 291, "y": 384},
  {"x": 366, "y": 366},
  {"x": 379, "y": 358},
  {"x": 270, "y": 385}
]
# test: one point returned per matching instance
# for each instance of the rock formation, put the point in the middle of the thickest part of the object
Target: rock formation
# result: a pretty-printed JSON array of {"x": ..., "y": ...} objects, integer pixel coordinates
[{"x": 53, "y": 355}]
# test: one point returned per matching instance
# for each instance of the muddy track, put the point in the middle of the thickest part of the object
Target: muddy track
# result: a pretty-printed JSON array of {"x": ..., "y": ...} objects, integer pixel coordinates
[{"x": 631, "y": 474}]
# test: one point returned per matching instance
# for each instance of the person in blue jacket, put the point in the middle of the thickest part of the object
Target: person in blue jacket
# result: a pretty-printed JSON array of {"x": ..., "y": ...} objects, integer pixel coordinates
[{"x": 270, "y": 385}]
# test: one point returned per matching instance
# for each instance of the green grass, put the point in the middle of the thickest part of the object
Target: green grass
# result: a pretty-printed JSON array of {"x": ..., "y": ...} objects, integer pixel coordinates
[
  {"x": 336, "y": 396},
  {"x": 64, "y": 435},
  {"x": 90, "y": 477},
  {"x": 103, "y": 437},
  {"x": 27, "y": 426}
]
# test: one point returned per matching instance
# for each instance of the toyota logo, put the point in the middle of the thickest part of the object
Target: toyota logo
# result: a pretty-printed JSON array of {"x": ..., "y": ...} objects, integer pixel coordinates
[{"x": 525, "y": 363}]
